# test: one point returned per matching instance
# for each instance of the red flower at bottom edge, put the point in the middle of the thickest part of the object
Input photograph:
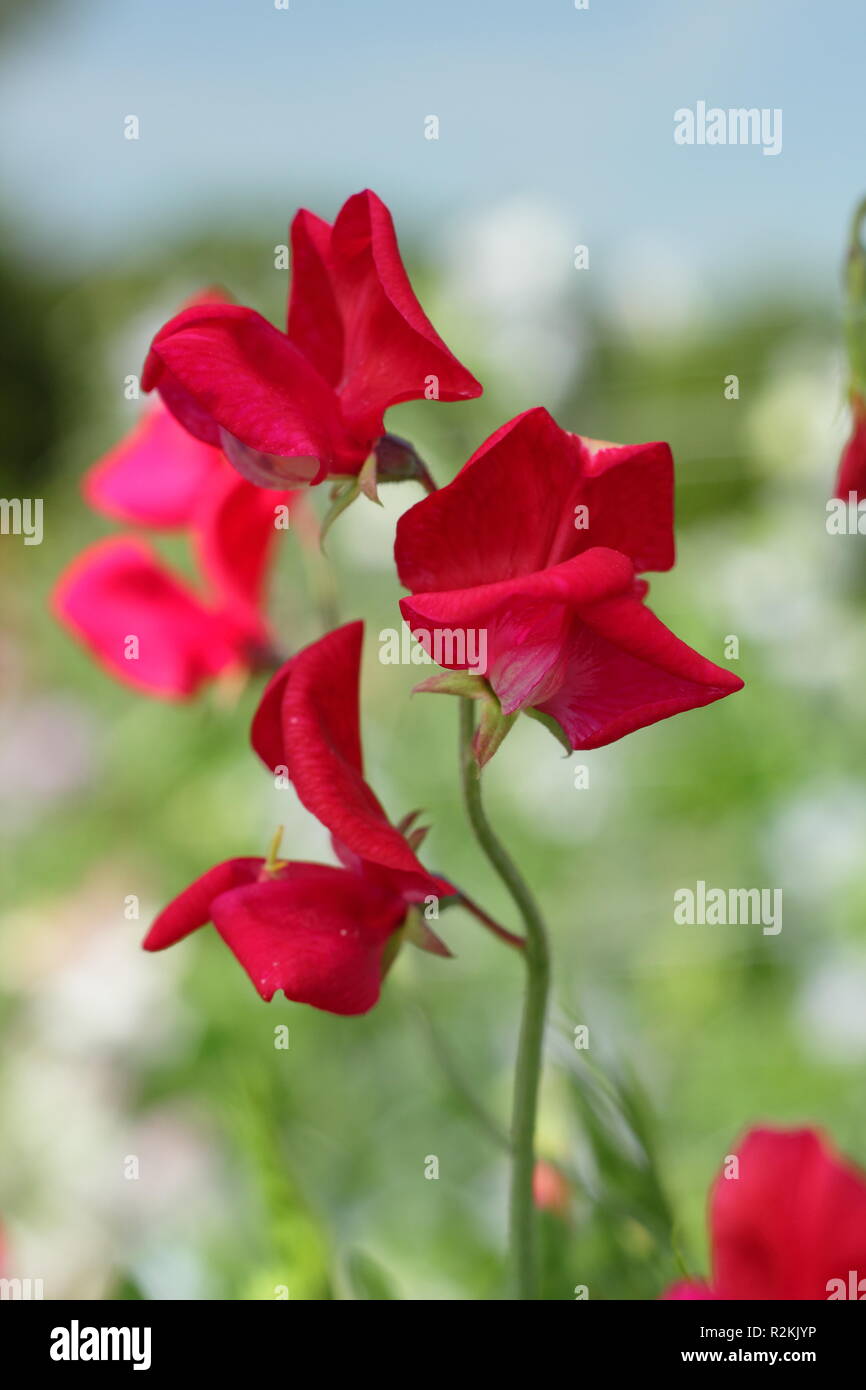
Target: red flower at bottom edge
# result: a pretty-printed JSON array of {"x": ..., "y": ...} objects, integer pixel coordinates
[
  {"x": 790, "y": 1226},
  {"x": 322, "y": 934}
]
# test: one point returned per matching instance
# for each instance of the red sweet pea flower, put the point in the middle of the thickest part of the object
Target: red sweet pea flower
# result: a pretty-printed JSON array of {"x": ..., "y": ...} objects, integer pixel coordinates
[
  {"x": 324, "y": 935},
  {"x": 791, "y": 1226},
  {"x": 316, "y": 932},
  {"x": 852, "y": 466},
  {"x": 528, "y": 558},
  {"x": 146, "y": 625},
  {"x": 290, "y": 408}
]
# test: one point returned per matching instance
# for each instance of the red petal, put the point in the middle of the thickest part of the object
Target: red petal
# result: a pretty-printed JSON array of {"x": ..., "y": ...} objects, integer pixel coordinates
[
  {"x": 315, "y": 697},
  {"x": 118, "y": 589},
  {"x": 626, "y": 670},
  {"x": 515, "y": 631},
  {"x": 391, "y": 348},
  {"x": 155, "y": 476},
  {"x": 192, "y": 908},
  {"x": 266, "y": 731},
  {"x": 412, "y": 887},
  {"x": 235, "y": 534},
  {"x": 852, "y": 467},
  {"x": 236, "y": 381},
  {"x": 688, "y": 1290},
  {"x": 530, "y": 468},
  {"x": 317, "y": 933},
  {"x": 629, "y": 494},
  {"x": 794, "y": 1219},
  {"x": 574, "y": 641},
  {"x": 314, "y": 322}
]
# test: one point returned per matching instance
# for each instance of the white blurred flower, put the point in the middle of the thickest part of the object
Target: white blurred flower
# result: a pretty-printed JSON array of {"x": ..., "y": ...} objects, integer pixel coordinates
[
  {"x": 512, "y": 268},
  {"x": 655, "y": 289},
  {"x": 47, "y": 752},
  {"x": 564, "y": 803},
  {"x": 89, "y": 987},
  {"x": 830, "y": 1008},
  {"x": 90, "y": 1006},
  {"x": 815, "y": 842},
  {"x": 778, "y": 587},
  {"x": 364, "y": 539},
  {"x": 796, "y": 423}
]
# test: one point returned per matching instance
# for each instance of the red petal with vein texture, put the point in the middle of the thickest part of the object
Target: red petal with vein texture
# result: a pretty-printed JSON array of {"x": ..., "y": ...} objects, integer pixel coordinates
[
  {"x": 308, "y": 720},
  {"x": 515, "y": 631},
  {"x": 390, "y": 347},
  {"x": 315, "y": 932},
  {"x": 623, "y": 669},
  {"x": 235, "y": 381},
  {"x": 513, "y": 508},
  {"x": 574, "y": 641},
  {"x": 314, "y": 322}
]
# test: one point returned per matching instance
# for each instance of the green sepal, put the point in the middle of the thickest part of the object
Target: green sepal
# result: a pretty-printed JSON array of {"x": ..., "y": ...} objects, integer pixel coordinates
[
  {"x": 368, "y": 478},
  {"x": 342, "y": 496},
  {"x": 553, "y": 726},
  {"x": 455, "y": 683},
  {"x": 493, "y": 728},
  {"x": 417, "y": 930}
]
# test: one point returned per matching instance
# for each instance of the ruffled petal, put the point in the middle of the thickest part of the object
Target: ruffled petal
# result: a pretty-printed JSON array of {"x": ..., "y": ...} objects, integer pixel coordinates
[
  {"x": 235, "y": 381},
  {"x": 625, "y": 670},
  {"x": 629, "y": 497},
  {"x": 391, "y": 351},
  {"x": 315, "y": 699},
  {"x": 574, "y": 641},
  {"x": 515, "y": 632},
  {"x": 314, "y": 322},
  {"x": 317, "y": 933},
  {"x": 532, "y": 497}
]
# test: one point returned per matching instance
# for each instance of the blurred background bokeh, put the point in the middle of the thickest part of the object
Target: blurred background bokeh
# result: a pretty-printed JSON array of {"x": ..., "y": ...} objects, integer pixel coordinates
[{"x": 305, "y": 1168}]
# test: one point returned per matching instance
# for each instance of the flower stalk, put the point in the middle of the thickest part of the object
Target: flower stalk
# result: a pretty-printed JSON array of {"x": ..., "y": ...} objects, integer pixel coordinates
[{"x": 527, "y": 1077}]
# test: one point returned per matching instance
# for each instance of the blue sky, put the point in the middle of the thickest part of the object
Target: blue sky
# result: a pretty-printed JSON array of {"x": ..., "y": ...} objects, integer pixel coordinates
[{"x": 245, "y": 109}]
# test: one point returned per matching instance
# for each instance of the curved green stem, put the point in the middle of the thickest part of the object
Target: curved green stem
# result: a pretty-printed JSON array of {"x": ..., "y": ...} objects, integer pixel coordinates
[{"x": 527, "y": 1075}]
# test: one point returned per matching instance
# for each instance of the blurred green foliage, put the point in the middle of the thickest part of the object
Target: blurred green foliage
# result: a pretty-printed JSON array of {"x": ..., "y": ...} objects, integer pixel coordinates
[{"x": 318, "y": 1151}]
